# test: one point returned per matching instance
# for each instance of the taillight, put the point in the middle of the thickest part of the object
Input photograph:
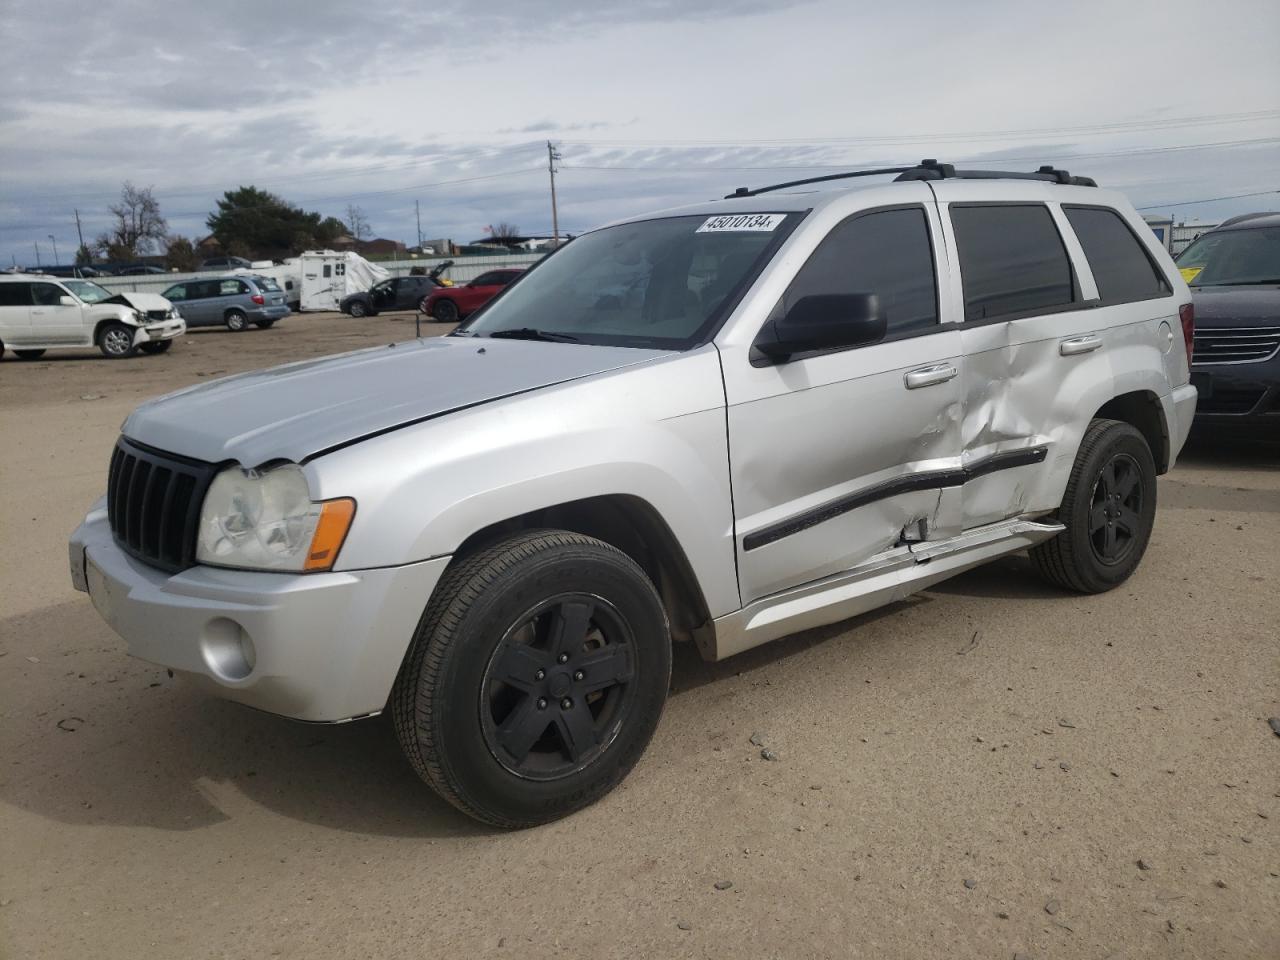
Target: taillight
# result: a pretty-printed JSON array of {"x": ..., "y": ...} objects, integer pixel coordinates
[
  {"x": 259, "y": 298},
  {"x": 1187, "y": 314}
]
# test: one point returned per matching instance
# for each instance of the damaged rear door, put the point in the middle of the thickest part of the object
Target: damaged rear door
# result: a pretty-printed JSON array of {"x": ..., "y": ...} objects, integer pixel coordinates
[{"x": 839, "y": 456}]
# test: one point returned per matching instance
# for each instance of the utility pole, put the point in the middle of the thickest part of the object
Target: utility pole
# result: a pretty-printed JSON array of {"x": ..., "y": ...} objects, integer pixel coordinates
[
  {"x": 79, "y": 233},
  {"x": 552, "y": 156},
  {"x": 55, "y": 249},
  {"x": 39, "y": 265},
  {"x": 417, "y": 212}
]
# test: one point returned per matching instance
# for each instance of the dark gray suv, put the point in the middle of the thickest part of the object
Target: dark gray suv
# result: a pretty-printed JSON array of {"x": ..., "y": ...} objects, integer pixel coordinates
[
  {"x": 1234, "y": 275},
  {"x": 234, "y": 302}
]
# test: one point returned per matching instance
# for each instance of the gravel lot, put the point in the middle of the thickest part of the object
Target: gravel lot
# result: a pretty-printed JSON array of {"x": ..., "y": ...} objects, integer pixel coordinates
[{"x": 975, "y": 772}]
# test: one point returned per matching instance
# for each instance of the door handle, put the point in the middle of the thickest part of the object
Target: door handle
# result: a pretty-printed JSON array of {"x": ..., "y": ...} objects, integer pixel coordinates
[
  {"x": 928, "y": 376},
  {"x": 1086, "y": 344}
]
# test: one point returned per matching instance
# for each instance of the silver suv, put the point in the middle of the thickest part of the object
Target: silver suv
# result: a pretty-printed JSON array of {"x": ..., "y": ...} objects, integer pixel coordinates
[{"x": 718, "y": 424}]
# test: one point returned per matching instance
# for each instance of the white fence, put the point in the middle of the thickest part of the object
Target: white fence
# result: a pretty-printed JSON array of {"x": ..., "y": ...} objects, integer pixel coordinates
[{"x": 464, "y": 270}]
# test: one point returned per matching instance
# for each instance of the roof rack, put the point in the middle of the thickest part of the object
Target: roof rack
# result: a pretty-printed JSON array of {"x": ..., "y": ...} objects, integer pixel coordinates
[{"x": 929, "y": 170}]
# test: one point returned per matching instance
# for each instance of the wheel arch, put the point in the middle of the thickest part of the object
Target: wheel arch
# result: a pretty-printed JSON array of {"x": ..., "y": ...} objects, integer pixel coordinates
[
  {"x": 107, "y": 321},
  {"x": 1142, "y": 410},
  {"x": 632, "y": 525}
]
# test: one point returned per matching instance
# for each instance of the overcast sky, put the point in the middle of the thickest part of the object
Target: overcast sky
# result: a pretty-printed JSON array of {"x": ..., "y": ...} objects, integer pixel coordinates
[{"x": 652, "y": 103}]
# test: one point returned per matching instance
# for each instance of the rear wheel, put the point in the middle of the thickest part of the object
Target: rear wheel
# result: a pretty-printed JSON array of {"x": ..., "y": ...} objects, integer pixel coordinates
[
  {"x": 115, "y": 340},
  {"x": 29, "y": 354},
  {"x": 445, "y": 311},
  {"x": 156, "y": 346},
  {"x": 236, "y": 320},
  {"x": 536, "y": 678},
  {"x": 358, "y": 309},
  {"x": 1108, "y": 510}
]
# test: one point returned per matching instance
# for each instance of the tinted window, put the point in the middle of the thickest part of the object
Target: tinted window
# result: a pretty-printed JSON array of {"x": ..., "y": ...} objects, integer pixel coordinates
[
  {"x": 487, "y": 280},
  {"x": 15, "y": 294},
  {"x": 886, "y": 253},
  {"x": 176, "y": 293},
  {"x": 45, "y": 294},
  {"x": 1011, "y": 260},
  {"x": 1120, "y": 266}
]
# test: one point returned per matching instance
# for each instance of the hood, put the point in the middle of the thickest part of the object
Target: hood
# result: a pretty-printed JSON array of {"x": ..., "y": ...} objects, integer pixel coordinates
[
  {"x": 139, "y": 301},
  {"x": 1237, "y": 306},
  {"x": 299, "y": 410}
]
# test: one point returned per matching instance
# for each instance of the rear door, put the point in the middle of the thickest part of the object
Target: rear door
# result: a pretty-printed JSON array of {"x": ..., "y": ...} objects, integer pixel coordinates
[{"x": 15, "y": 313}]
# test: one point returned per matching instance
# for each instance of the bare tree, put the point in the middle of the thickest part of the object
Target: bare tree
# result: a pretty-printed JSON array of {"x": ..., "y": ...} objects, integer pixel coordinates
[
  {"x": 139, "y": 227},
  {"x": 504, "y": 231},
  {"x": 357, "y": 223}
]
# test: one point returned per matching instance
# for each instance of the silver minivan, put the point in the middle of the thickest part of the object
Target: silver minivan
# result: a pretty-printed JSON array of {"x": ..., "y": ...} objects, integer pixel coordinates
[{"x": 234, "y": 301}]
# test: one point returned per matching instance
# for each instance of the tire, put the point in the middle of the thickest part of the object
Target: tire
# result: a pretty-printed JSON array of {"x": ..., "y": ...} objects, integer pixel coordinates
[
  {"x": 444, "y": 311},
  {"x": 115, "y": 340},
  {"x": 358, "y": 309},
  {"x": 500, "y": 751},
  {"x": 1109, "y": 510},
  {"x": 236, "y": 321},
  {"x": 265, "y": 324},
  {"x": 29, "y": 354},
  {"x": 156, "y": 346}
]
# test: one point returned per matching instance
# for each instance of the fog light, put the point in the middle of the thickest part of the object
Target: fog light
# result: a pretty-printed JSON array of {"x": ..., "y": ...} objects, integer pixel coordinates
[{"x": 228, "y": 649}]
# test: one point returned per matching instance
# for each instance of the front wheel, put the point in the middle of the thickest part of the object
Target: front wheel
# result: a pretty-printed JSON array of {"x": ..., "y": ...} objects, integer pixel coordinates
[
  {"x": 156, "y": 346},
  {"x": 115, "y": 340},
  {"x": 29, "y": 354},
  {"x": 536, "y": 677},
  {"x": 358, "y": 309},
  {"x": 445, "y": 311},
  {"x": 236, "y": 321},
  {"x": 1109, "y": 510}
]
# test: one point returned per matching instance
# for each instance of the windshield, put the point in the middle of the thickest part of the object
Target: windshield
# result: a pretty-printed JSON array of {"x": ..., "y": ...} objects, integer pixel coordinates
[
  {"x": 653, "y": 283},
  {"x": 86, "y": 291},
  {"x": 1227, "y": 257}
]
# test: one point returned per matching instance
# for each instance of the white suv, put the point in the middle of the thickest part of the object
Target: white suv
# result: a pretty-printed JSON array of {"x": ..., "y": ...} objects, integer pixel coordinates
[
  {"x": 718, "y": 424},
  {"x": 38, "y": 312}
]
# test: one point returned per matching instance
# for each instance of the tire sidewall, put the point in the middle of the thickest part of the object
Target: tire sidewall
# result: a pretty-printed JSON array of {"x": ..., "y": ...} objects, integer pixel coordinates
[
  {"x": 102, "y": 341},
  {"x": 1120, "y": 438},
  {"x": 460, "y": 745},
  {"x": 446, "y": 307},
  {"x": 236, "y": 321},
  {"x": 358, "y": 310}
]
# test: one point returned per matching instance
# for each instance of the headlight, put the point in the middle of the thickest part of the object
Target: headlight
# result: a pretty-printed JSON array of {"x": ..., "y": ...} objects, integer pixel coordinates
[
  {"x": 174, "y": 314},
  {"x": 267, "y": 521}
]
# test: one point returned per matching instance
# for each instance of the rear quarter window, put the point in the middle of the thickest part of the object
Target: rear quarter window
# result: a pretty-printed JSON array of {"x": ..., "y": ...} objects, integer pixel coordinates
[
  {"x": 1121, "y": 267},
  {"x": 1012, "y": 260},
  {"x": 15, "y": 294}
]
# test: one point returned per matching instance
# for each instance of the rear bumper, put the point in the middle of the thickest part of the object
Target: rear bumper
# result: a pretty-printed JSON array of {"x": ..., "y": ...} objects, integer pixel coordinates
[
  {"x": 319, "y": 647},
  {"x": 269, "y": 313}
]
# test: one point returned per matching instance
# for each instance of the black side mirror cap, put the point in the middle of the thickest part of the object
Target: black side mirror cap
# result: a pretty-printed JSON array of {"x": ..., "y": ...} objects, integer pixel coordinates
[{"x": 824, "y": 321}]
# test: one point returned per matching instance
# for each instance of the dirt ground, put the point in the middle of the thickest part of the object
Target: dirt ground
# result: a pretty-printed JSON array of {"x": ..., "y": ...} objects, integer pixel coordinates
[{"x": 976, "y": 772}]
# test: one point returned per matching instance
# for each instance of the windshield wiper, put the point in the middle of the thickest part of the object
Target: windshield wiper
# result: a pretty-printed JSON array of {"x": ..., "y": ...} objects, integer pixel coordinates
[{"x": 529, "y": 333}]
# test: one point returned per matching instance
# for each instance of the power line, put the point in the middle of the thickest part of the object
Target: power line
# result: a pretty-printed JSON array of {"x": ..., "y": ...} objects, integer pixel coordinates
[
  {"x": 1187, "y": 203},
  {"x": 1097, "y": 129}
]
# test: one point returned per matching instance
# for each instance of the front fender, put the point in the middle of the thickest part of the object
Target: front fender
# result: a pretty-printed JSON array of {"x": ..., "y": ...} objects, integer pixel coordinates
[{"x": 655, "y": 432}]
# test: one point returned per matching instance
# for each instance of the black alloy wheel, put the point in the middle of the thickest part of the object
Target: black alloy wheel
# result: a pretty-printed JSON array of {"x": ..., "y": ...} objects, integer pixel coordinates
[
  {"x": 557, "y": 688},
  {"x": 1116, "y": 512}
]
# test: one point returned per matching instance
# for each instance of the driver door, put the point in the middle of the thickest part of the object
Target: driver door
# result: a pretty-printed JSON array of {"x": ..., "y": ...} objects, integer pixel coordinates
[{"x": 840, "y": 456}]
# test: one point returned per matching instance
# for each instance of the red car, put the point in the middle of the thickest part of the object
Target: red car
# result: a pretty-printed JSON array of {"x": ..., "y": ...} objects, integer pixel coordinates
[{"x": 451, "y": 304}]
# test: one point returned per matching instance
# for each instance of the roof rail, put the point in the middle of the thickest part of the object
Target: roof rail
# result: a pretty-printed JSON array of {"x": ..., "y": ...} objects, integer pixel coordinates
[{"x": 929, "y": 170}]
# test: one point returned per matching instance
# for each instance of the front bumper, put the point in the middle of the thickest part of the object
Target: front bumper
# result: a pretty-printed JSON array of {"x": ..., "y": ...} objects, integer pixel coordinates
[
  {"x": 1238, "y": 397},
  {"x": 164, "y": 330},
  {"x": 319, "y": 647}
]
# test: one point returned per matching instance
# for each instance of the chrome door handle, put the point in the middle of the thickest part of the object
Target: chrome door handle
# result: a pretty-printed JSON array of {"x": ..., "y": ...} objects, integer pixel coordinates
[
  {"x": 1085, "y": 344},
  {"x": 928, "y": 376}
]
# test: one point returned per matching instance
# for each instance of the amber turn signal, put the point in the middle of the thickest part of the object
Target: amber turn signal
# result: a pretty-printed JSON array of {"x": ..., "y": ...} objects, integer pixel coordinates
[{"x": 331, "y": 531}]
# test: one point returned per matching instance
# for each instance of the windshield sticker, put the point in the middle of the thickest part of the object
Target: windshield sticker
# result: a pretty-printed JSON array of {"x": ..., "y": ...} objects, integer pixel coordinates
[
  {"x": 1190, "y": 273},
  {"x": 756, "y": 222}
]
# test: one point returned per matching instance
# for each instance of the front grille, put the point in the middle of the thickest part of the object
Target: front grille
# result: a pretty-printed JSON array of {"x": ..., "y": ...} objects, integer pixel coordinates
[
  {"x": 157, "y": 314},
  {"x": 153, "y": 504},
  {"x": 1230, "y": 400},
  {"x": 1235, "y": 345}
]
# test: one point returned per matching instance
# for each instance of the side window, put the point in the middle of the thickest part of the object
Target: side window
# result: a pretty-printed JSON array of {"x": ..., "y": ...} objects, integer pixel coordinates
[
  {"x": 229, "y": 288},
  {"x": 486, "y": 280},
  {"x": 1120, "y": 265},
  {"x": 15, "y": 294},
  {"x": 45, "y": 294},
  {"x": 886, "y": 253},
  {"x": 328, "y": 272},
  {"x": 1011, "y": 260},
  {"x": 339, "y": 270},
  {"x": 176, "y": 294}
]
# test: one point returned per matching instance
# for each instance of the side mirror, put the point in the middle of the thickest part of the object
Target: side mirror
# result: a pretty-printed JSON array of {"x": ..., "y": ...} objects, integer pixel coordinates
[
  {"x": 823, "y": 321},
  {"x": 66, "y": 301}
]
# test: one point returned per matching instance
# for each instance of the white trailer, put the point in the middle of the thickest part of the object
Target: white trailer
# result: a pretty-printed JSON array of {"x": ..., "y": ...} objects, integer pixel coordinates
[{"x": 328, "y": 276}]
